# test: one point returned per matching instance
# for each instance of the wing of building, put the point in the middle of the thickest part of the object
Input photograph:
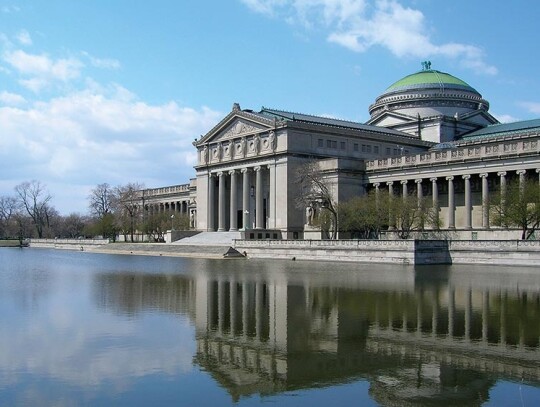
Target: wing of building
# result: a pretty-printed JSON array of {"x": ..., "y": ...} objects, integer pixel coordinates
[{"x": 430, "y": 133}]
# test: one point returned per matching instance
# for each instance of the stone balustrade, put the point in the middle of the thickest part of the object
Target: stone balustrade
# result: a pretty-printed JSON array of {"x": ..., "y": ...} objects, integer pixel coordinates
[
  {"x": 174, "y": 189},
  {"x": 459, "y": 154}
]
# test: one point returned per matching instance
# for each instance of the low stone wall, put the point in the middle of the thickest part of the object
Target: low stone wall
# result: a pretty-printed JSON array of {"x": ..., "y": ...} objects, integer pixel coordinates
[
  {"x": 71, "y": 244},
  {"x": 503, "y": 252},
  {"x": 507, "y": 252},
  {"x": 369, "y": 251}
]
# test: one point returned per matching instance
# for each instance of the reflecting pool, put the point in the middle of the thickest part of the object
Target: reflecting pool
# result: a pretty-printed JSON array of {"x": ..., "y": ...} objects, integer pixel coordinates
[{"x": 92, "y": 329}]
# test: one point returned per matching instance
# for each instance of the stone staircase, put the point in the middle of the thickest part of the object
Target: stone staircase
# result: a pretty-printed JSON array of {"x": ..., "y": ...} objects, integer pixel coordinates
[
  {"x": 222, "y": 239},
  {"x": 205, "y": 244}
]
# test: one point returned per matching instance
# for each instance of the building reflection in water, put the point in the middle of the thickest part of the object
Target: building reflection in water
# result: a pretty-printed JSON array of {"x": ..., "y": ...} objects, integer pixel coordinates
[{"x": 423, "y": 337}]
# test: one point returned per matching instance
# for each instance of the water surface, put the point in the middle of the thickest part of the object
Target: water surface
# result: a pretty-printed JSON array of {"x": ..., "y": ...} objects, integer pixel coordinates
[{"x": 92, "y": 329}]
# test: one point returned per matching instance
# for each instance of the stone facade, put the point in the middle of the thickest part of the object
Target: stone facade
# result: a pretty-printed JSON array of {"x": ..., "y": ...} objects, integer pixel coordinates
[{"x": 246, "y": 173}]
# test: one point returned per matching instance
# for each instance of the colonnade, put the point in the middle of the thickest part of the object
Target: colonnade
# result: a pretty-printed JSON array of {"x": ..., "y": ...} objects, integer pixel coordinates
[
  {"x": 242, "y": 198},
  {"x": 239, "y": 309},
  {"x": 244, "y": 310},
  {"x": 172, "y": 207},
  {"x": 498, "y": 178}
]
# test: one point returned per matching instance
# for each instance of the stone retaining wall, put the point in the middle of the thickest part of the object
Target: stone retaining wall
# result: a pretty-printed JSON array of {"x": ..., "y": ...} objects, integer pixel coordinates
[
  {"x": 72, "y": 244},
  {"x": 508, "y": 252}
]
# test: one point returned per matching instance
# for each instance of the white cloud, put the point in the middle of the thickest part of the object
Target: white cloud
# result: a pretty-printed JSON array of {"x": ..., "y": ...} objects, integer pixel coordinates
[
  {"x": 361, "y": 24},
  {"x": 42, "y": 65},
  {"x": 24, "y": 37},
  {"x": 532, "y": 107},
  {"x": 41, "y": 70},
  {"x": 103, "y": 63},
  {"x": 11, "y": 99},
  {"x": 506, "y": 118},
  {"x": 99, "y": 134}
]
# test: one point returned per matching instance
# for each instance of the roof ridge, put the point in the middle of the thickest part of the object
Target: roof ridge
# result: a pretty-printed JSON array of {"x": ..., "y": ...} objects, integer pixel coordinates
[{"x": 308, "y": 114}]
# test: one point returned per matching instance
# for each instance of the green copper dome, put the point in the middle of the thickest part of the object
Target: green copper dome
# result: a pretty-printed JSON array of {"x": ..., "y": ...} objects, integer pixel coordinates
[{"x": 429, "y": 79}]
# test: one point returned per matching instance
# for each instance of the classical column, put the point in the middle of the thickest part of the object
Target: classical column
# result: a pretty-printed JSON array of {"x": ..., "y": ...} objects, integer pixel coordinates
[
  {"x": 221, "y": 307},
  {"x": 521, "y": 174},
  {"x": 234, "y": 202},
  {"x": 419, "y": 192},
  {"x": 468, "y": 314},
  {"x": 485, "y": 315},
  {"x": 211, "y": 204},
  {"x": 259, "y": 220},
  {"x": 434, "y": 314},
  {"x": 502, "y": 175},
  {"x": 390, "y": 199},
  {"x": 258, "y": 310},
  {"x": 451, "y": 310},
  {"x": 245, "y": 198},
  {"x": 377, "y": 185},
  {"x": 245, "y": 310},
  {"x": 435, "y": 197},
  {"x": 468, "y": 201},
  {"x": 485, "y": 200},
  {"x": 404, "y": 189},
  {"x": 451, "y": 203},
  {"x": 221, "y": 202},
  {"x": 232, "y": 306},
  {"x": 419, "y": 199}
]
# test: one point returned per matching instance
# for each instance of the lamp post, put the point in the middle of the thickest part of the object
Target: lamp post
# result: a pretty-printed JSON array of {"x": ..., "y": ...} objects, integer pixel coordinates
[{"x": 172, "y": 219}]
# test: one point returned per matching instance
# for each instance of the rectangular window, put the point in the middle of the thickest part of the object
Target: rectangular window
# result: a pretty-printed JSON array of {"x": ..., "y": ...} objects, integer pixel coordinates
[
  {"x": 328, "y": 143},
  {"x": 334, "y": 144},
  {"x": 376, "y": 149},
  {"x": 342, "y": 145},
  {"x": 355, "y": 146},
  {"x": 388, "y": 151},
  {"x": 369, "y": 148},
  {"x": 396, "y": 151},
  {"x": 321, "y": 142}
]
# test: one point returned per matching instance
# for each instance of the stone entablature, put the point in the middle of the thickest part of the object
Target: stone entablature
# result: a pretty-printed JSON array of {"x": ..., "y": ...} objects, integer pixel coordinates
[
  {"x": 165, "y": 191},
  {"x": 471, "y": 152}
]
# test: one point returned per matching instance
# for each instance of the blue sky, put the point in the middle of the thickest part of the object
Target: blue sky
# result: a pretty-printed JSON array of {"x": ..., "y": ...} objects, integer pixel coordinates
[{"x": 116, "y": 91}]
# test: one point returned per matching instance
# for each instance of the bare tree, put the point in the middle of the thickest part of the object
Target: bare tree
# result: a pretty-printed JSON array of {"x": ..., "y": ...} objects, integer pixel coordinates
[
  {"x": 128, "y": 206},
  {"x": 314, "y": 187},
  {"x": 71, "y": 226},
  {"x": 34, "y": 198},
  {"x": 8, "y": 208},
  {"x": 101, "y": 200}
]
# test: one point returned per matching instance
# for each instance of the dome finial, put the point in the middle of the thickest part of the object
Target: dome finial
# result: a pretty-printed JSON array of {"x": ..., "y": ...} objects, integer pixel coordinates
[{"x": 426, "y": 65}]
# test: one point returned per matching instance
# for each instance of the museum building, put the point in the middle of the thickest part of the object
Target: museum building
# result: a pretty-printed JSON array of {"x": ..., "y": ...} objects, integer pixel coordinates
[{"x": 430, "y": 134}]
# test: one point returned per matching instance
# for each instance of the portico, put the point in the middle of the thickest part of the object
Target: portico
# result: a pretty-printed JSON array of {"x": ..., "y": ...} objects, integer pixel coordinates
[{"x": 238, "y": 199}]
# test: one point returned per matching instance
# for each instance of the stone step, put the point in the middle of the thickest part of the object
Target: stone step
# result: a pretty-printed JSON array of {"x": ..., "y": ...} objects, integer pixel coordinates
[{"x": 209, "y": 239}]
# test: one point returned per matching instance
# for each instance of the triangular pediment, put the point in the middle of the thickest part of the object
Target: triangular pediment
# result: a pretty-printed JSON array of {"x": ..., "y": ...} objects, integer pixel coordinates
[
  {"x": 390, "y": 119},
  {"x": 238, "y": 128},
  {"x": 236, "y": 125}
]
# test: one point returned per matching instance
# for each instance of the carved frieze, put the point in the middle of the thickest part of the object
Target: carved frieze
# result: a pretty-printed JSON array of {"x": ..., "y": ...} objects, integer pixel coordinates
[{"x": 240, "y": 128}]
